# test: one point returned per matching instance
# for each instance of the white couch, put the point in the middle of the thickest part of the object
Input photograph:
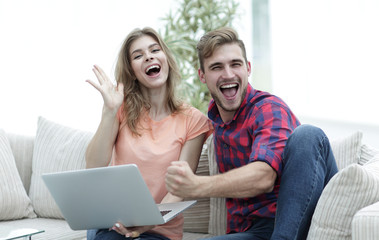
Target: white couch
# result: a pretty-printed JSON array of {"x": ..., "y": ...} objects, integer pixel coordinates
[{"x": 348, "y": 207}]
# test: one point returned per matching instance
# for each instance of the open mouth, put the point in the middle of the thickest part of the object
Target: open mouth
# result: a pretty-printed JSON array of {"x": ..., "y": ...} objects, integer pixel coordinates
[
  {"x": 229, "y": 90},
  {"x": 153, "y": 70}
]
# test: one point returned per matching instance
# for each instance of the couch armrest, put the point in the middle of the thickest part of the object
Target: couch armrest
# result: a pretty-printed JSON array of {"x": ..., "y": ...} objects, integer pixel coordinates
[
  {"x": 365, "y": 223},
  {"x": 22, "y": 148}
]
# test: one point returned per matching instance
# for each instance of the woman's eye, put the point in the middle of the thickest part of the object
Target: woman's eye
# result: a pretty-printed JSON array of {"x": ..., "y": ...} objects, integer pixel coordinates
[
  {"x": 155, "y": 50},
  {"x": 137, "y": 56}
]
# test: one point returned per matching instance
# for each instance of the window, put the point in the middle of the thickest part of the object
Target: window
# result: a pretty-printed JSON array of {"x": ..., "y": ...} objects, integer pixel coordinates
[{"x": 324, "y": 59}]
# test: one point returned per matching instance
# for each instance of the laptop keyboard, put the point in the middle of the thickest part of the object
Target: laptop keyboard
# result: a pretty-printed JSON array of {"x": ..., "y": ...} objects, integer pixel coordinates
[{"x": 165, "y": 212}]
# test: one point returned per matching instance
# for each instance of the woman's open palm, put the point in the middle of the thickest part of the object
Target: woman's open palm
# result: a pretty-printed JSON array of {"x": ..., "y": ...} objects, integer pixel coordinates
[{"x": 113, "y": 96}]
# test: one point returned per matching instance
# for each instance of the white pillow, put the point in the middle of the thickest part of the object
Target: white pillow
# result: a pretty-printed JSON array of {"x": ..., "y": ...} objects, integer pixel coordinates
[
  {"x": 347, "y": 150},
  {"x": 350, "y": 190},
  {"x": 365, "y": 223},
  {"x": 14, "y": 202},
  {"x": 368, "y": 154},
  {"x": 56, "y": 148}
]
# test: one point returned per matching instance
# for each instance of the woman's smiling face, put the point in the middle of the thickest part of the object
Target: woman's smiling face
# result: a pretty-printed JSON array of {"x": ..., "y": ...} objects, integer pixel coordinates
[{"x": 149, "y": 62}]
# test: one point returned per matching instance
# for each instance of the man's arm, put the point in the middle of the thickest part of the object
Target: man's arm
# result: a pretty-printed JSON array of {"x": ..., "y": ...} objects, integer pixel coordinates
[{"x": 247, "y": 181}]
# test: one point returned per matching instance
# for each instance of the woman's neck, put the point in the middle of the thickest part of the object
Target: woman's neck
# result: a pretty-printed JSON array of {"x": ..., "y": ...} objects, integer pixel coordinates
[{"x": 158, "y": 103}]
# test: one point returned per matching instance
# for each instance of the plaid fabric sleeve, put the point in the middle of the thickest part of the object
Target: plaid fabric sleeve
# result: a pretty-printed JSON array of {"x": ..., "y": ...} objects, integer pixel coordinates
[{"x": 273, "y": 123}]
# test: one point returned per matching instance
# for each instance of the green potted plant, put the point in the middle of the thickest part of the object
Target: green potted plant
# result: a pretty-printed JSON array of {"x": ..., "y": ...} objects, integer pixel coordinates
[{"x": 183, "y": 28}]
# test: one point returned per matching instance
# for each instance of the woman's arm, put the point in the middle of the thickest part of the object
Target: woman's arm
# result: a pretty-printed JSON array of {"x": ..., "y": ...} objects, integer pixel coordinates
[
  {"x": 190, "y": 153},
  {"x": 99, "y": 150}
]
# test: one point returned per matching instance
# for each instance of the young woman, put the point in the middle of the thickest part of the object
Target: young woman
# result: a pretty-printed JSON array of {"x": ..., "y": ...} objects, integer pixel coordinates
[{"x": 144, "y": 123}]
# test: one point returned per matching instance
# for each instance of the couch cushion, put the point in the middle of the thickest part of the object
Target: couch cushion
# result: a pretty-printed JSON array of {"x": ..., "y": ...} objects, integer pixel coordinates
[
  {"x": 56, "y": 229},
  {"x": 14, "y": 202},
  {"x": 192, "y": 236},
  {"x": 350, "y": 190},
  {"x": 196, "y": 218},
  {"x": 56, "y": 148},
  {"x": 218, "y": 212},
  {"x": 347, "y": 150},
  {"x": 365, "y": 223}
]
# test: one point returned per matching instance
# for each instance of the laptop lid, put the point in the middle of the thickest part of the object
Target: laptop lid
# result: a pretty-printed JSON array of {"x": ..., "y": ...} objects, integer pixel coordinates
[{"x": 99, "y": 197}]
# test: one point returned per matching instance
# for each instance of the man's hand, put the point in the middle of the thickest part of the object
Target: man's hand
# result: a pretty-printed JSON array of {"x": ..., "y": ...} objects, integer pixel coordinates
[{"x": 181, "y": 181}]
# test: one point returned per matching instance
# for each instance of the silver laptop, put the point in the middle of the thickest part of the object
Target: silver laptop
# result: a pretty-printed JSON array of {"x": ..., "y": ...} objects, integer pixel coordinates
[{"x": 97, "y": 198}]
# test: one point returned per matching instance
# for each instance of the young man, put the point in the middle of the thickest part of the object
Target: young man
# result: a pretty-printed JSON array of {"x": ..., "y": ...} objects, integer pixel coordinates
[{"x": 272, "y": 170}]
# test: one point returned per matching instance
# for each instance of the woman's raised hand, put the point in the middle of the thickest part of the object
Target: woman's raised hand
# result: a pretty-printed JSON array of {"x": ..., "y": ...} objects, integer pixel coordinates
[{"x": 113, "y": 96}]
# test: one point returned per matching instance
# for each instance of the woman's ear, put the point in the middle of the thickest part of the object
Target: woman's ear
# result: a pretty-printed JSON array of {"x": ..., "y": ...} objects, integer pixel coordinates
[{"x": 201, "y": 76}]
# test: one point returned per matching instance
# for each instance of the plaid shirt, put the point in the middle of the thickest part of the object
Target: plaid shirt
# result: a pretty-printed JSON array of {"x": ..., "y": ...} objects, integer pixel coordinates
[{"x": 258, "y": 132}]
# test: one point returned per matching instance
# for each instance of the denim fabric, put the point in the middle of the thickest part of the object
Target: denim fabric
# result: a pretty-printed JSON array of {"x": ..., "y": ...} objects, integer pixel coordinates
[
  {"x": 105, "y": 234},
  {"x": 309, "y": 164},
  {"x": 262, "y": 229}
]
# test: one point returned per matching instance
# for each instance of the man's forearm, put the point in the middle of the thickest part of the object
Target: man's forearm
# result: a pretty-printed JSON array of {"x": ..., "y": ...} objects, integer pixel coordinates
[{"x": 247, "y": 181}]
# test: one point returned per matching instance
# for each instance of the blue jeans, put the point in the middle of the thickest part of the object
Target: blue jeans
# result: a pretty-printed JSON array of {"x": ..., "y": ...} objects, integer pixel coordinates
[
  {"x": 261, "y": 230},
  {"x": 309, "y": 164},
  {"x": 105, "y": 234}
]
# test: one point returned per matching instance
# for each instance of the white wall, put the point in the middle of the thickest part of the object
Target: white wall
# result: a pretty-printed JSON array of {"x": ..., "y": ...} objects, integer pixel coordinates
[
  {"x": 325, "y": 62},
  {"x": 48, "y": 48}
]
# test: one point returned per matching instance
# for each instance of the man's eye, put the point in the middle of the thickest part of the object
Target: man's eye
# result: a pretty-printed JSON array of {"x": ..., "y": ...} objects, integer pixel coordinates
[{"x": 216, "y": 68}]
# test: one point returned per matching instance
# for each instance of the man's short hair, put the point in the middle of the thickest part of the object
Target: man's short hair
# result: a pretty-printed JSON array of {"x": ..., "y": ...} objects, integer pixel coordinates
[{"x": 215, "y": 39}]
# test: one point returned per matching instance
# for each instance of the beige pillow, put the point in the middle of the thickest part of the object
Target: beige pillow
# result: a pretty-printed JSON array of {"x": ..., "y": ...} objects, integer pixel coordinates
[
  {"x": 218, "y": 212},
  {"x": 196, "y": 218},
  {"x": 14, "y": 202},
  {"x": 56, "y": 148},
  {"x": 350, "y": 190},
  {"x": 22, "y": 148},
  {"x": 347, "y": 150}
]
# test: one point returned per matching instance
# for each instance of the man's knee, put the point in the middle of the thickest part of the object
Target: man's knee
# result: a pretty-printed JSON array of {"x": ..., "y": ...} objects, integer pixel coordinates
[
  {"x": 307, "y": 134},
  {"x": 306, "y": 139},
  {"x": 307, "y": 129}
]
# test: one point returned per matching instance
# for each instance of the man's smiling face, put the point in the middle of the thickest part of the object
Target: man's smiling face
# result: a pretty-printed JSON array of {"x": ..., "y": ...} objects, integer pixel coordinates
[{"x": 226, "y": 74}]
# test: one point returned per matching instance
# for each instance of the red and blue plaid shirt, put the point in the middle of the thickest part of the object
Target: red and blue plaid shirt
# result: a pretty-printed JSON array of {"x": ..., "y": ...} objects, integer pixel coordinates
[{"x": 258, "y": 132}]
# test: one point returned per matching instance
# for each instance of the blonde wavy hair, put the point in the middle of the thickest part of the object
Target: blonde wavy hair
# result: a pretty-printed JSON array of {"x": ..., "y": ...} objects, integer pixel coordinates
[{"x": 134, "y": 101}]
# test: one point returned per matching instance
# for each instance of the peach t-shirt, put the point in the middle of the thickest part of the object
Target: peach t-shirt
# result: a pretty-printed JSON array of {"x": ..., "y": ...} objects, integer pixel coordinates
[{"x": 160, "y": 143}]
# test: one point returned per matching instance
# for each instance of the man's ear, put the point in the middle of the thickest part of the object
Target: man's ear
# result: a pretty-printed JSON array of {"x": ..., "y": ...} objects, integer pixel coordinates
[
  {"x": 249, "y": 68},
  {"x": 201, "y": 75}
]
